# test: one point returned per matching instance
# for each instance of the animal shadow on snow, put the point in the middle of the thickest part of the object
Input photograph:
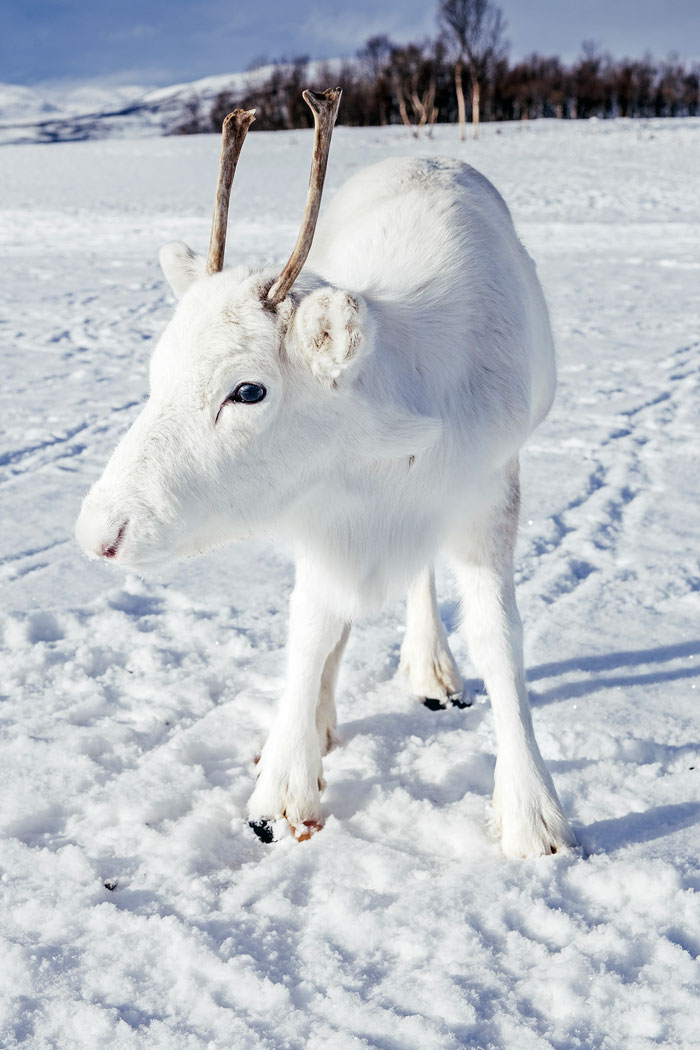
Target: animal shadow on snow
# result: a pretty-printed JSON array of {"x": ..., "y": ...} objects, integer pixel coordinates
[
  {"x": 597, "y": 667},
  {"x": 474, "y": 772},
  {"x": 605, "y": 836},
  {"x": 658, "y": 821}
]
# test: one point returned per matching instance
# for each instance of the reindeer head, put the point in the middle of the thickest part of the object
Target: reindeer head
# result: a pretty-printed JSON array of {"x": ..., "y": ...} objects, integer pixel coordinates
[
  {"x": 241, "y": 390},
  {"x": 253, "y": 394}
]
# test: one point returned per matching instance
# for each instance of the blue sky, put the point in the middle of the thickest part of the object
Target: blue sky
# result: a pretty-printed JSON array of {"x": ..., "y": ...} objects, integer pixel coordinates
[{"x": 165, "y": 41}]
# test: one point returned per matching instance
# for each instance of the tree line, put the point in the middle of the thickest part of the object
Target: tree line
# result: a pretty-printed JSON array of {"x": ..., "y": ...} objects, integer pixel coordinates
[{"x": 423, "y": 83}]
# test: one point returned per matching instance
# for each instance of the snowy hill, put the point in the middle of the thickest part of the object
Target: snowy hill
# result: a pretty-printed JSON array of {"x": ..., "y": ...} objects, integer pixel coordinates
[
  {"x": 92, "y": 111},
  {"x": 87, "y": 112},
  {"x": 24, "y": 105},
  {"x": 137, "y": 909}
]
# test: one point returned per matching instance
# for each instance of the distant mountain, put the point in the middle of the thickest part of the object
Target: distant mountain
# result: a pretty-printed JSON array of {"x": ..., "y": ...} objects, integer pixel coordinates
[
  {"x": 23, "y": 104},
  {"x": 47, "y": 114},
  {"x": 94, "y": 111}
]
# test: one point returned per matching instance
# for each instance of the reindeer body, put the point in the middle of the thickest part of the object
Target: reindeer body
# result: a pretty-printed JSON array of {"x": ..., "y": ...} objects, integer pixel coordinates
[
  {"x": 373, "y": 414},
  {"x": 461, "y": 341}
]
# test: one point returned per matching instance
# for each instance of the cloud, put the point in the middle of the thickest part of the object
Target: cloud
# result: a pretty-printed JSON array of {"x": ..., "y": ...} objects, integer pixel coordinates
[
  {"x": 131, "y": 33},
  {"x": 346, "y": 31}
]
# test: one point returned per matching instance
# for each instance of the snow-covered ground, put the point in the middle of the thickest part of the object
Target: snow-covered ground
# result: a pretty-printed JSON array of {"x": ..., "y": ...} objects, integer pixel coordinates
[{"x": 138, "y": 909}]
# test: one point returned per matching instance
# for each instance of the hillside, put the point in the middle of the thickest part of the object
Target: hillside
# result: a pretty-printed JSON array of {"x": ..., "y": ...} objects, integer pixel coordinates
[
  {"x": 95, "y": 112},
  {"x": 92, "y": 111}
]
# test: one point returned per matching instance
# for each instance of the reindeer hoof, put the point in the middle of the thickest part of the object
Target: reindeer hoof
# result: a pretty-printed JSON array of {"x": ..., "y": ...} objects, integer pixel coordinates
[
  {"x": 263, "y": 829},
  {"x": 273, "y": 830},
  {"x": 455, "y": 700},
  {"x": 304, "y": 831}
]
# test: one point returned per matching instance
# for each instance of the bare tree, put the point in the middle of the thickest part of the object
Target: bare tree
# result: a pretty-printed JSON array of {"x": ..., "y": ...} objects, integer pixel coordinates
[
  {"x": 414, "y": 84},
  {"x": 414, "y": 80},
  {"x": 474, "y": 29},
  {"x": 589, "y": 75},
  {"x": 374, "y": 60}
]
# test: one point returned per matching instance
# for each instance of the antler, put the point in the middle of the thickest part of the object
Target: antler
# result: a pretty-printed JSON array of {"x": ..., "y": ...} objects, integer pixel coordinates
[
  {"x": 233, "y": 133},
  {"x": 325, "y": 110}
]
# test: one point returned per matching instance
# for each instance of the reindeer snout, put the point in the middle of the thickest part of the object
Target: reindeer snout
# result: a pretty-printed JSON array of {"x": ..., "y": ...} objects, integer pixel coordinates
[{"x": 99, "y": 531}]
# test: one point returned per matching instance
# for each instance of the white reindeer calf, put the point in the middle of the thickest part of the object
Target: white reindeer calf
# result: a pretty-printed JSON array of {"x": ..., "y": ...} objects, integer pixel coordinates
[{"x": 372, "y": 410}]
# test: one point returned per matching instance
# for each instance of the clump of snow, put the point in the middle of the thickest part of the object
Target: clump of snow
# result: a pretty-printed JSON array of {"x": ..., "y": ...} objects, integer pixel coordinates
[{"x": 138, "y": 910}]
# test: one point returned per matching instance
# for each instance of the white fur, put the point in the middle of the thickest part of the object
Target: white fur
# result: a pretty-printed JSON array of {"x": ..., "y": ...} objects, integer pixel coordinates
[{"x": 404, "y": 372}]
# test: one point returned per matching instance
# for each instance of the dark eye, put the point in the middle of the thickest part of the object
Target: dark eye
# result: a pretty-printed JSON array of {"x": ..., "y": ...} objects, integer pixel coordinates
[{"x": 248, "y": 393}]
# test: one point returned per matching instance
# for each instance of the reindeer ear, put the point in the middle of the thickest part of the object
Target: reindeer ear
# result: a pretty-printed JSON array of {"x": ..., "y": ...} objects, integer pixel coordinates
[
  {"x": 330, "y": 330},
  {"x": 181, "y": 266}
]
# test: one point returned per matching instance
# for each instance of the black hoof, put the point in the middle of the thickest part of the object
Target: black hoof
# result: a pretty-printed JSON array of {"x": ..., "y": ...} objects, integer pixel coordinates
[
  {"x": 433, "y": 704},
  {"x": 263, "y": 829},
  {"x": 455, "y": 700}
]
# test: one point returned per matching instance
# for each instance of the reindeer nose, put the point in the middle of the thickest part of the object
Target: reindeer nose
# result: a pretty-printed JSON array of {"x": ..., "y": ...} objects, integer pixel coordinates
[
  {"x": 99, "y": 531},
  {"x": 109, "y": 550}
]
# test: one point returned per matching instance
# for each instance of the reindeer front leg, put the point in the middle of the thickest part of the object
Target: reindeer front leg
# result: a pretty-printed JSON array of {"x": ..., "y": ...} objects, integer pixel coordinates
[{"x": 290, "y": 773}]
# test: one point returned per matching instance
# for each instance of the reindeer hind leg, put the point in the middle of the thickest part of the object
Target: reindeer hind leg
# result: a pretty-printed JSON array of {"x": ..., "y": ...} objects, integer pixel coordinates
[{"x": 425, "y": 654}]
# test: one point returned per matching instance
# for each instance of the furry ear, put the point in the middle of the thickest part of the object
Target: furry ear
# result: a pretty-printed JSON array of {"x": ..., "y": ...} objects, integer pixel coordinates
[
  {"x": 330, "y": 331},
  {"x": 181, "y": 266}
]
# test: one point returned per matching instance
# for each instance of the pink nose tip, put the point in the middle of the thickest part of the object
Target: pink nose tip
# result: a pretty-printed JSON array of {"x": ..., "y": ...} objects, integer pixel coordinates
[{"x": 109, "y": 550}]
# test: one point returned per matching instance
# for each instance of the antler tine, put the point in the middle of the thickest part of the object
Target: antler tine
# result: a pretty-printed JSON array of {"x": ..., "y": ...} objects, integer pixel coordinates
[
  {"x": 325, "y": 110},
  {"x": 233, "y": 133}
]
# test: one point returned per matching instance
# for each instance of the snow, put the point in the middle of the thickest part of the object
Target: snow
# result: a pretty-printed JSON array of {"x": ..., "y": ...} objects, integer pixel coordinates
[
  {"x": 64, "y": 109},
  {"x": 132, "y": 710},
  {"x": 56, "y": 112},
  {"x": 20, "y": 103}
]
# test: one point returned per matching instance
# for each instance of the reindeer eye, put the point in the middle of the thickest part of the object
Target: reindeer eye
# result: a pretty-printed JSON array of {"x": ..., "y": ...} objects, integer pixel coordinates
[{"x": 248, "y": 393}]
